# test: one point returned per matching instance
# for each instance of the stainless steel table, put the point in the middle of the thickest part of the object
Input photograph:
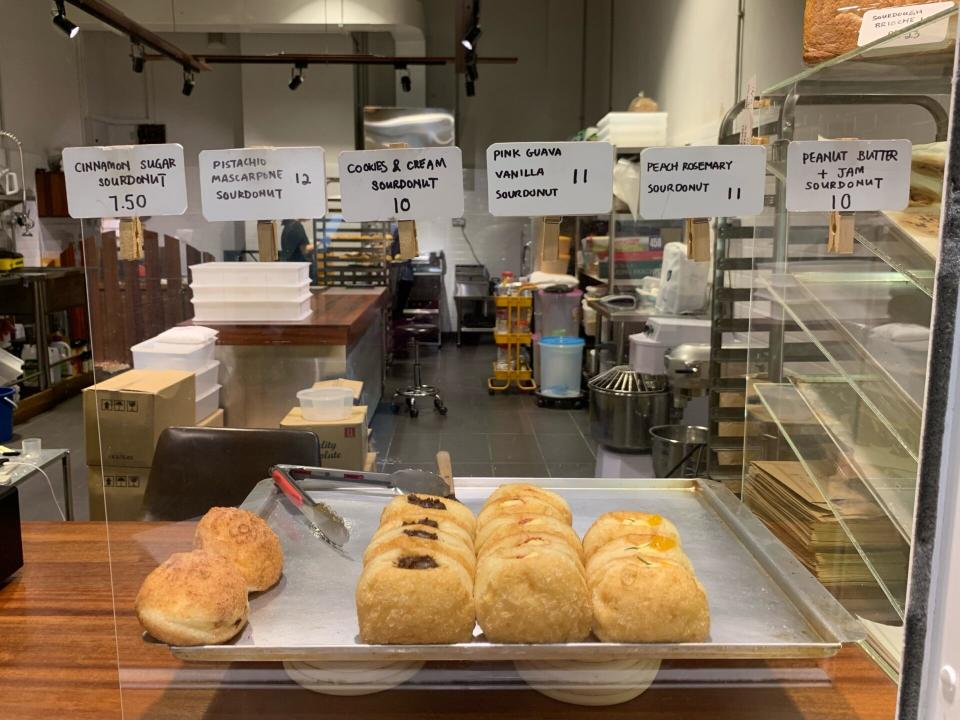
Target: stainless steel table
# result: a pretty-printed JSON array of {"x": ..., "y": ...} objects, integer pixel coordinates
[{"x": 19, "y": 469}]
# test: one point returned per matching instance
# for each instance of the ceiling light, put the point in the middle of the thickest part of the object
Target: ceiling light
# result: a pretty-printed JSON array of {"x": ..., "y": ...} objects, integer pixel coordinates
[
  {"x": 470, "y": 39},
  {"x": 136, "y": 57},
  {"x": 189, "y": 81},
  {"x": 60, "y": 20},
  {"x": 296, "y": 76}
]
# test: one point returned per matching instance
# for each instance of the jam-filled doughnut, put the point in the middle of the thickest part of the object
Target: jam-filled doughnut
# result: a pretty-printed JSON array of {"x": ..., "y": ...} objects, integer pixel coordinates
[
  {"x": 520, "y": 490},
  {"x": 616, "y": 524}
]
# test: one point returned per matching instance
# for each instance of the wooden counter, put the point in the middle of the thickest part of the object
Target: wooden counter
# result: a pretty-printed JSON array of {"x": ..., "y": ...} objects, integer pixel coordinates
[
  {"x": 58, "y": 654},
  {"x": 340, "y": 316}
]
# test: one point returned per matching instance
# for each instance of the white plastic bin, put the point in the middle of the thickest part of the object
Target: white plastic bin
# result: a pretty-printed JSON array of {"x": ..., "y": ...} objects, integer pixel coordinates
[
  {"x": 208, "y": 404},
  {"x": 253, "y": 311},
  {"x": 246, "y": 293},
  {"x": 328, "y": 403},
  {"x": 251, "y": 274},
  {"x": 157, "y": 355},
  {"x": 561, "y": 359},
  {"x": 207, "y": 378}
]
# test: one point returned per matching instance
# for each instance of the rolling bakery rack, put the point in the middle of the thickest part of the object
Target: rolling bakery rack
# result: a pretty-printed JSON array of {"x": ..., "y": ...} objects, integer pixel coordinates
[{"x": 509, "y": 344}]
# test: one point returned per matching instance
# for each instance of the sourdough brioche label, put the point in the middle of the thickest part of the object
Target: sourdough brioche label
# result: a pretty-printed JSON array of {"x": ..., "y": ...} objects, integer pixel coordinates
[
  {"x": 880, "y": 22},
  {"x": 558, "y": 178},
  {"x": 259, "y": 183},
  {"x": 702, "y": 181},
  {"x": 848, "y": 175},
  {"x": 125, "y": 181}
]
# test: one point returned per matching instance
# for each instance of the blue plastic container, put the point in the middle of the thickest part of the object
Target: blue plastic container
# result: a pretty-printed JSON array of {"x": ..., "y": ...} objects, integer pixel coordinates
[
  {"x": 7, "y": 406},
  {"x": 560, "y": 361}
]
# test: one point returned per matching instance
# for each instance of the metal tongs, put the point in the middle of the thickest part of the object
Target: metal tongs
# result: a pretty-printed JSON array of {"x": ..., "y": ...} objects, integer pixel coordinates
[{"x": 295, "y": 481}]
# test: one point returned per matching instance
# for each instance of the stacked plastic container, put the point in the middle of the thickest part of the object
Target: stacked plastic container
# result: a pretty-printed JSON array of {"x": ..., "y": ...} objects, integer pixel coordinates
[
  {"x": 634, "y": 129},
  {"x": 185, "y": 348},
  {"x": 251, "y": 291}
]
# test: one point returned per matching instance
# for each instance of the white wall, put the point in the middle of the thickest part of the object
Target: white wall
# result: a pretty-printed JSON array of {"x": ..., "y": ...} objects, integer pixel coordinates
[{"x": 40, "y": 97}]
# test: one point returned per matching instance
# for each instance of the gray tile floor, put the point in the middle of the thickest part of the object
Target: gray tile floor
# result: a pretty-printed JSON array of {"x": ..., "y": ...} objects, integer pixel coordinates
[{"x": 502, "y": 435}]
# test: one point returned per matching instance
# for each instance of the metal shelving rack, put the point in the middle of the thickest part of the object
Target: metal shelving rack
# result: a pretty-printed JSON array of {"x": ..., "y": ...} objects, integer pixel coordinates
[
  {"x": 350, "y": 253},
  {"x": 799, "y": 371}
]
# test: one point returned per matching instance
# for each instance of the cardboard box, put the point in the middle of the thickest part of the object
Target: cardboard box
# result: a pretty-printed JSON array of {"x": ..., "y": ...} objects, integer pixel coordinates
[
  {"x": 343, "y": 443},
  {"x": 131, "y": 410},
  {"x": 214, "y": 419},
  {"x": 370, "y": 464},
  {"x": 123, "y": 488},
  {"x": 356, "y": 386}
]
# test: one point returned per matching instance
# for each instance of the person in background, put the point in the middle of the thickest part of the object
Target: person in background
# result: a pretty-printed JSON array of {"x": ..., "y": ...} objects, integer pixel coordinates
[
  {"x": 404, "y": 278},
  {"x": 295, "y": 246}
]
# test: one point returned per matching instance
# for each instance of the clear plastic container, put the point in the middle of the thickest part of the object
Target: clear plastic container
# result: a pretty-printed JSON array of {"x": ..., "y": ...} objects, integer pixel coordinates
[
  {"x": 558, "y": 314},
  {"x": 329, "y": 403},
  {"x": 560, "y": 361},
  {"x": 207, "y": 378},
  {"x": 208, "y": 404},
  {"x": 158, "y": 355},
  {"x": 253, "y": 311},
  {"x": 251, "y": 274},
  {"x": 504, "y": 358}
]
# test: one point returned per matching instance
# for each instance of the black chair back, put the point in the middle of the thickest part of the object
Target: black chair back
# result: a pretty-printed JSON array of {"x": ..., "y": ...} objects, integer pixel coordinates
[{"x": 195, "y": 468}]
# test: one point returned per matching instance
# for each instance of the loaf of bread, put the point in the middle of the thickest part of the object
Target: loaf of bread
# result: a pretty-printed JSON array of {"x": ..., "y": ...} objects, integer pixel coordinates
[
  {"x": 245, "y": 540},
  {"x": 832, "y": 27},
  {"x": 194, "y": 598},
  {"x": 512, "y": 491}
]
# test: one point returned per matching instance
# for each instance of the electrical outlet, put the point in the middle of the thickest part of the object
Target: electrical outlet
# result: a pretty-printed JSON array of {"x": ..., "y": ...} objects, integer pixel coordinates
[{"x": 459, "y": 222}]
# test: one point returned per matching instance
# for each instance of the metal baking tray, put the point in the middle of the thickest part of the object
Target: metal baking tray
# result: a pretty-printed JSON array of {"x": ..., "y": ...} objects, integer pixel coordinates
[{"x": 763, "y": 603}]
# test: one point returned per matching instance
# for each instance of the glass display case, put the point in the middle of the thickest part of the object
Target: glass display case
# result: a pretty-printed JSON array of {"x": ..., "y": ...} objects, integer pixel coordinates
[{"x": 828, "y": 352}]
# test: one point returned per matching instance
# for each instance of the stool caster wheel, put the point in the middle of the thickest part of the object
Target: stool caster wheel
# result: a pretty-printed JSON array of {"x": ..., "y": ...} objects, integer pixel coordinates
[
  {"x": 541, "y": 402},
  {"x": 438, "y": 404},
  {"x": 414, "y": 412}
]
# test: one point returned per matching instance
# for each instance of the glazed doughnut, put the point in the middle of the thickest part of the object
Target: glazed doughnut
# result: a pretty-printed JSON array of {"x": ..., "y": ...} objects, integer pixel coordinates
[{"x": 408, "y": 599}]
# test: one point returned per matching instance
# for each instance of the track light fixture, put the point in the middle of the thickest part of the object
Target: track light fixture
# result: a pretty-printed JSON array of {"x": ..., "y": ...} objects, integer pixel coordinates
[
  {"x": 60, "y": 20},
  {"x": 471, "y": 88},
  {"x": 189, "y": 81},
  {"x": 136, "y": 57},
  {"x": 470, "y": 39},
  {"x": 471, "y": 70},
  {"x": 296, "y": 76}
]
